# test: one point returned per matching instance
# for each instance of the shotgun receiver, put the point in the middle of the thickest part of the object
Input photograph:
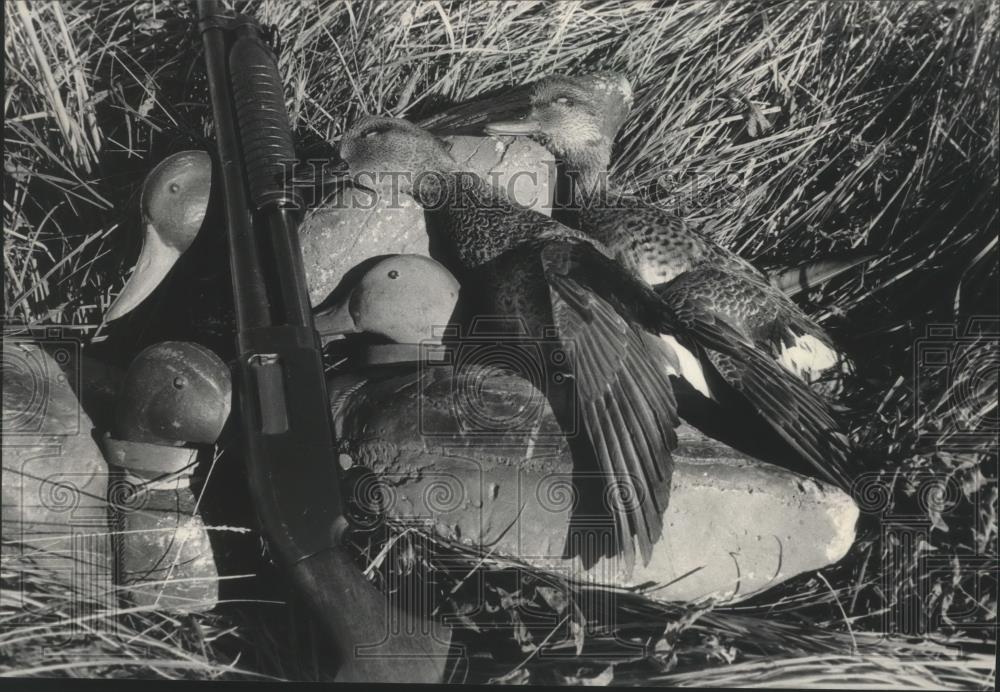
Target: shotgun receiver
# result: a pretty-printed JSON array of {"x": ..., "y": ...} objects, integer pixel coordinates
[{"x": 283, "y": 406}]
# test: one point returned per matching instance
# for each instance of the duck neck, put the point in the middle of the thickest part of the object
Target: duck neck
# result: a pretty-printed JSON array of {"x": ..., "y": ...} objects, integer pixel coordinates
[
  {"x": 446, "y": 188},
  {"x": 469, "y": 220},
  {"x": 582, "y": 178}
]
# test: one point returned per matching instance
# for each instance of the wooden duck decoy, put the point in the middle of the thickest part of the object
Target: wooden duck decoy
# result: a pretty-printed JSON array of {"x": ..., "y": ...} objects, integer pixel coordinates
[
  {"x": 174, "y": 401},
  {"x": 577, "y": 118},
  {"x": 597, "y": 324},
  {"x": 180, "y": 286},
  {"x": 400, "y": 412}
]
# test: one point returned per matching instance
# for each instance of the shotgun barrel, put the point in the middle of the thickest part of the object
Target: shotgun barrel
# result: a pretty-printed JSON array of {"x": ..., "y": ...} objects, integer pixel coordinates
[{"x": 283, "y": 406}]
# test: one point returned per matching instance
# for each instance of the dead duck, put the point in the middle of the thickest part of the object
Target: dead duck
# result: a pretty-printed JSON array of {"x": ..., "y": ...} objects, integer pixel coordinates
[
  {"x": 597, "y": 324},
  {"x": 401, "y": 415},
  {"x": 577, "y": 118},
  {"x": 514, "y": 103}
]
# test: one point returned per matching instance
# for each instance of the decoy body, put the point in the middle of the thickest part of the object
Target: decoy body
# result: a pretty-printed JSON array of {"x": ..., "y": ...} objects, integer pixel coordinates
[
  {"x": 598, "y": 326},
  {"x": 400, "y": 413},
  {"x": 577, "y": 119}
]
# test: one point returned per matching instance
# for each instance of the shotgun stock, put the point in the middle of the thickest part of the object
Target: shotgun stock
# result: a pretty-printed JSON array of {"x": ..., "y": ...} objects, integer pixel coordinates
[{"x": 287, "y": 436}]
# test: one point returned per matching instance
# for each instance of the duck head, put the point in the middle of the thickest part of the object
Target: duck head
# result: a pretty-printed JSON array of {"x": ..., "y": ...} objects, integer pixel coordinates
[
  {"x": 174, "y": 203},
  {"x": 576, "y": 118},
  {"x": 398, "y": 300},
  {"x": 393, "y": 155}
]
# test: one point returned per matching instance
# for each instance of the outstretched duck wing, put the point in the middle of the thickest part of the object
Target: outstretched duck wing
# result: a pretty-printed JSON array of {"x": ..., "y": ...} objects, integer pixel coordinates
[
  {"x": 795, "y": 412},
  {"x": 623, "y": 393}
]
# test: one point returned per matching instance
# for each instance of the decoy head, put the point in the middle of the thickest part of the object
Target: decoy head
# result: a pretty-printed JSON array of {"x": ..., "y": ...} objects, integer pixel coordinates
[
  {"x": 400, "y": 299},
  {"x": 577, "y": 118},
  {"x": 174, "y": 392},
  {"x": 391, "y": 153},
  {"x": 174, "y": 203}
]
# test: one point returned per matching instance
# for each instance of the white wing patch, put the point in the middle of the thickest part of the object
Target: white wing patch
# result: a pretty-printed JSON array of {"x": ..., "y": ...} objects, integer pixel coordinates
[
  {"x": 654, "y": 270},
  {"x": 650, "y": 273},
  {"x": 690, "y": 368},
  {"x": 808, "y": 357}
]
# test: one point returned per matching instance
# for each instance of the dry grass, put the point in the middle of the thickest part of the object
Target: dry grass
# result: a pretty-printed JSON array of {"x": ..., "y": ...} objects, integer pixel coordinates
[
  {"x": 48, "y": 629},
  {"x": 790, "y": 129}
]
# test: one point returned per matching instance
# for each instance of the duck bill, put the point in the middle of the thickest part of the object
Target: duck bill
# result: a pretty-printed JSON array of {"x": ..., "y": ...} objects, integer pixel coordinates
[
  {"x": 156, "y": 259},
  {"x": 801, "y": 279},
  {"x": 471, "y": 117},
  {"x": 337, "y": 172},
  {"x": 513, "y": 127},
  {"x": 335, "y": 321}
]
